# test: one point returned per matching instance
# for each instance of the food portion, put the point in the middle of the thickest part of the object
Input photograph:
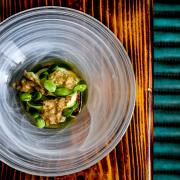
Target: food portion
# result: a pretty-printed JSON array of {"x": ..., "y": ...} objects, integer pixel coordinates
[{"x": 51, "y": 95}]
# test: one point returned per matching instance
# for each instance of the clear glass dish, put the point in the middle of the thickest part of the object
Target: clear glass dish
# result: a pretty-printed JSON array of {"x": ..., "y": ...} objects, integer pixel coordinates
[{"x": 36, "y": 34}]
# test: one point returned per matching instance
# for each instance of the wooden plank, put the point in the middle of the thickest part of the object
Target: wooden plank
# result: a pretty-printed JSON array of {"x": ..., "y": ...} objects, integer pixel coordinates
[{"x": 131, "y": 21}]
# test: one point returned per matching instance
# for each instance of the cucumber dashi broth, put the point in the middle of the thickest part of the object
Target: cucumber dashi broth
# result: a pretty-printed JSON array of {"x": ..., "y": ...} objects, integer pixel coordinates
[{"x": 51, "y": 93}]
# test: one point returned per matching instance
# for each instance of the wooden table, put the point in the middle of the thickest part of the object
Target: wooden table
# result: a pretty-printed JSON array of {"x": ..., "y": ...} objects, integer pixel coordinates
[{"x": 131, "y": 22}]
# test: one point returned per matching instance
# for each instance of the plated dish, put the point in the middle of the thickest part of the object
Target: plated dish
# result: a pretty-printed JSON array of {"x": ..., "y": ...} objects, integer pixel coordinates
[
  {"x": 51, "y": 93},
  {"x": 27, "y": 40}
]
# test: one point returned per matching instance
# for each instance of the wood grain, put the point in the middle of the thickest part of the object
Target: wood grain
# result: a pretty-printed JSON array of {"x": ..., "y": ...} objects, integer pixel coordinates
[{"x": 131, "y": 22}]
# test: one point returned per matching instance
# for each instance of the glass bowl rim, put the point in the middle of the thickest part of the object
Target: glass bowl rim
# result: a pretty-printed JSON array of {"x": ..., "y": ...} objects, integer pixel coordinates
[{"x": 129, "y": 114}]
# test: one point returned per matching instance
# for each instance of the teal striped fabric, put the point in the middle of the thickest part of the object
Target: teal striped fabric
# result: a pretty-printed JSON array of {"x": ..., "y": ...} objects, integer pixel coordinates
[{"x": 166, "y": 165}]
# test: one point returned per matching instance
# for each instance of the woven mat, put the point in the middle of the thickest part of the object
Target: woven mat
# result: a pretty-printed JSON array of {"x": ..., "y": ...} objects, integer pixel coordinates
[{"x": 166, "y": 90}]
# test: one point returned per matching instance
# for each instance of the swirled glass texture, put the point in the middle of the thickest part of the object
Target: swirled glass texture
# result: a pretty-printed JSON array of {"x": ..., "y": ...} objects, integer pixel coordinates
[{"x": 33, "y": 35}]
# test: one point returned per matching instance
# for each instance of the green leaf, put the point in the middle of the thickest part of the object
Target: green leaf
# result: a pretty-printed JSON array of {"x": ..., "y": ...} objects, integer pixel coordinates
[
  {"x": 80, "y": 87},
  {"x": 68, "y": 112},
  {"x": 62, "y": 91},
  {"x": 41, "y": 71},
  {"x": 35, "y": 115},
  {"x": 44, "y": 75},
  {"x": 36, "y": 96},
  {"x": 75, "y": 106},
  {"x": 49, "y": 85},
  {"x": 25, "y": 97},
  {"x": 35, "y": 106},
  {"x": 40, "y": 123}
]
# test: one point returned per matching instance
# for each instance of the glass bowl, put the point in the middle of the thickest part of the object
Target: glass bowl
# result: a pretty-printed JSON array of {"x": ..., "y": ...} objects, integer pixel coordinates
[{"x": 28, "y": 38}]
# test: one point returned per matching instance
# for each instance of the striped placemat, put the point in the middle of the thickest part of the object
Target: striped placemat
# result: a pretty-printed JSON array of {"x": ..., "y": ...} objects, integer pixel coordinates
[{"x": 166, "y": 90}]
